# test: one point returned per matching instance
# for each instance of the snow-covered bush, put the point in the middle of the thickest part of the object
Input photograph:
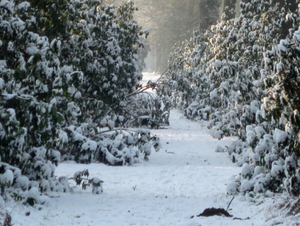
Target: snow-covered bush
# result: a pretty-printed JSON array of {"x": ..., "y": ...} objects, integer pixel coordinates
[
  {"x": 242, "y": 77},
  {"x": 274, "y": 159},
  {"x": 67, "y": 69},
  {"x": 148, "y": 108},
  {"x": 121, "y": 147},
  {"x": 217, "y": 76}
]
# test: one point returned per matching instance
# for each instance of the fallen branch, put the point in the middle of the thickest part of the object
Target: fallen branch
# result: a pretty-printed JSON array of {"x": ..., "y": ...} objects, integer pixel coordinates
[
  {"x": 241, "y": 219},
  {"x": 149, "y": 85},
  {"x": 230, "y": 203}
]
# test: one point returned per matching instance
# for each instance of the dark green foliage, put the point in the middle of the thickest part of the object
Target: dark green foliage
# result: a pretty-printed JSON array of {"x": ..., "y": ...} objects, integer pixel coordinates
[{"x": 30, "y": 201}]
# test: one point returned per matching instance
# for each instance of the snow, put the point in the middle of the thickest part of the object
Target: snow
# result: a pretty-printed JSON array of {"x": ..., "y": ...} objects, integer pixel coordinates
[
  {"x": 34, "y": 193},
  {"x": 214, "y": 94},
  {"x": 260, "y": 132},
  {"x": 110, "y": 124},
  {"x": 181, "y": 180},
  {"x": 250, "y": 136},
  {"x": 24, "y": 5},
  {"x": 63, "y": 136},
  {"x": 232, "y": 188},
  {"x": 32, "y": 50},
  {"x": 77, "y": 95},
  {"x": 2, "y": 83},
  {"x": 12, "y": 113},
  {"x": 89, "y": 145},
  {"x": 246, "y": 170},
  {"x": 22, "y": 182},
  {"x": 282, "y": 45},
  {"x": 2, "y": 202},
  {"x": 279, "y": 136},
  {"x": 18, "y": 24},
  {"x": 7, "y": 5},
  {"x": 246, "y": 186},
  {"x": 218, "y": 64},
  {"x": 277, "y": 169},
  {"x": 7, "y": 177}
]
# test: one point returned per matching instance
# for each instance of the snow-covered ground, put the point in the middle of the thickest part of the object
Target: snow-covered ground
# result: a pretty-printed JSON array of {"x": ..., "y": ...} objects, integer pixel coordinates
[{"x": 180, "y": 181}]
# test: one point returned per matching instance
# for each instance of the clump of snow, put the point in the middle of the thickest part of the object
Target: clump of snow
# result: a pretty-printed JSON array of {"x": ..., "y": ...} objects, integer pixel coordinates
[
  {"x": 217, "y": 134},
  {"x": 32, "y": 50},
  {"x": 96, "y": 185},
  {"x": 147, "y": 148},
  {"x": 214, "y": 94},
  {"x": 277, "y": 169},
  {"x": 8, "y": 5},
  {"x": 258, "y": 170},
  {"x": 260, "y": 131},
  {"x": 44, "y": 185},
  {"x": 34, "y": 193},
  {"x": 246, "y": 171},
  {"x": 89, "y": 145},
  {"x": 251, "y": 135},
  {"x": 73, "y": 109},
  {"x": 232, "y": 188},
  {"x": 279, "y": 136},
  {"x": 255, "y": 106},
  {"x": 259, "y": 186},
  {"x": 3, "y": 65},
  {"x": 7, "y": 178},
  {"x": 63, "y": 136},
  {"x": 246, "y": 186},
  {"x": 111, "y": 124},
  {"x": 23, "y": 5},
  {"x": 22, "y": 182}
]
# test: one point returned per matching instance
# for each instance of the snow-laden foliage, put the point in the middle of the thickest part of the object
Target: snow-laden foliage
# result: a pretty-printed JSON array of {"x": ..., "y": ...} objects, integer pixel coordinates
[
  {"x": 67, "y": 70},
  {"x": 216, "y": 76},
  {"x": 241, "y": 76},
  {"x": 150, "y": 110}
]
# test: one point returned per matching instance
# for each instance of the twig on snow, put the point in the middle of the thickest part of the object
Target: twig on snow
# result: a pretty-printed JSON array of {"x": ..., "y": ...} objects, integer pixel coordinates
[{"x": 230, "y": 203}]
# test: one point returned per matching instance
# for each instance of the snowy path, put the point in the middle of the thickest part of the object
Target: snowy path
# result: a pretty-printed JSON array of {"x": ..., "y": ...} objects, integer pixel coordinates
[{"x": 181, "y": 180}]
